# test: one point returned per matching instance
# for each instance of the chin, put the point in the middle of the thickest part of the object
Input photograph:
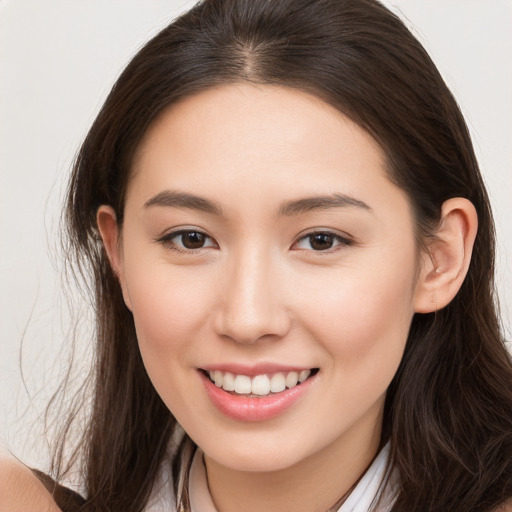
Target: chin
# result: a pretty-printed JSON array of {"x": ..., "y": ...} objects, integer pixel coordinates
[{"x": 255, "y": 461}]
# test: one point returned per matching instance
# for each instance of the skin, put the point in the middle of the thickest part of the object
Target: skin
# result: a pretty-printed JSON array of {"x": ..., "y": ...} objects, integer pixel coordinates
[
  {"x": 21, "y": 491},
  {"x": 259, "y": 292}
]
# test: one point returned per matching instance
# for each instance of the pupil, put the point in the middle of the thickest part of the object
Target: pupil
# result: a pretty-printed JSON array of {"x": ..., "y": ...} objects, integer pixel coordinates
[
  {"x": 321, "y": 241},
  {"x": 193, "y": 240}
]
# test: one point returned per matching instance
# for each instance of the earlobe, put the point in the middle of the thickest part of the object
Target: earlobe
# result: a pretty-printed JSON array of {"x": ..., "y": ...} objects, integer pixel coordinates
[
  {"x": 109, "y": 230},
  {"x": 445, "y": 265}
]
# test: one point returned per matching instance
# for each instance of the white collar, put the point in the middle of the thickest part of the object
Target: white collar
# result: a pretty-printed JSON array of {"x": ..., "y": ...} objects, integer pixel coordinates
[{"x": 370, "y": 487}]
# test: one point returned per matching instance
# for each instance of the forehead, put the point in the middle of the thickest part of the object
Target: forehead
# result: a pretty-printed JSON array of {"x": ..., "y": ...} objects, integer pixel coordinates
[{"x": 269, "y": 140}]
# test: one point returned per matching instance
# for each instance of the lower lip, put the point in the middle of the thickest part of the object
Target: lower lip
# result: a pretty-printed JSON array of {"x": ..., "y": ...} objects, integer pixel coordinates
[{"x": 254, "y": 409}]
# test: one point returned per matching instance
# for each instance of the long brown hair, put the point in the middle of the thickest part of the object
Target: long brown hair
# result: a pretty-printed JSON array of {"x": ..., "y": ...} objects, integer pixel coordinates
[{"x": 448, "y": 412}]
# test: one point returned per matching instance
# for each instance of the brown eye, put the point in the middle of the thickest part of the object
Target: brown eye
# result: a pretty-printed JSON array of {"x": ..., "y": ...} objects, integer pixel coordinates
[
  {"x": 193, "y": 239},
  {"x": 321, "y": 241},
  {"x": 186, "y": 240}
]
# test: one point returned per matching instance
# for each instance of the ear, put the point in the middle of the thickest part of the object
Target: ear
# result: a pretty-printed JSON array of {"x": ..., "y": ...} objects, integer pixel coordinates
[
  {"x": 110, "y": 234},
  {"x": 445, "y": 263}
]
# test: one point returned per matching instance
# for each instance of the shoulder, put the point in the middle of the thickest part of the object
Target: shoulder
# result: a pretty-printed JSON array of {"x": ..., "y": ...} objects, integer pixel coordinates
[
  {"x": 21, "y": 490},
  {"x": 505, "y": 507}
]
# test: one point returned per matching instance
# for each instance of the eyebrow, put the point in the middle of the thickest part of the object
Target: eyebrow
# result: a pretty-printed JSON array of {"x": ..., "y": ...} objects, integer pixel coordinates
[
  {"x": 172, "y": 199},
  {"x": 309, "y": 204},
  {"x": 175, "y": 199}
]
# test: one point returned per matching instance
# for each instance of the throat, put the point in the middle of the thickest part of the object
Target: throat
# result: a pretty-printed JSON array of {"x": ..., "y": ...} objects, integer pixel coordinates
[{"x": 321, "y": 490}]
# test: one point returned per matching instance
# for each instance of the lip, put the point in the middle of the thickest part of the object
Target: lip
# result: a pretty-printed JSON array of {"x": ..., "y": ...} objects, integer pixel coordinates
[{"x": 253, "y": 409}]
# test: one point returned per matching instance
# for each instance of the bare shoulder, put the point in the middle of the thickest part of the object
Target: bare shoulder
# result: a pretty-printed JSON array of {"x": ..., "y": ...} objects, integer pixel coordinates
[
  {"x": 505, "y": 507},
  {"x": 21, "y": 491}
]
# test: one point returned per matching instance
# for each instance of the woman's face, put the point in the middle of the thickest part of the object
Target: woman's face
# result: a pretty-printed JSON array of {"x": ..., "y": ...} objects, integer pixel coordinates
[{"x": 263, "y": 243}]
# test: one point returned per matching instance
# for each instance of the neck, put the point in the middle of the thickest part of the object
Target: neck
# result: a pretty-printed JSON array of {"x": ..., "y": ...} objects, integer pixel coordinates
[{"x": 314, "y": 484}]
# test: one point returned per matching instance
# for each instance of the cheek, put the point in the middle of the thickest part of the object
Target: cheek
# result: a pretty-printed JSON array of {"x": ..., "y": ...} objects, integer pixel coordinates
[
  {"x": 169, "y": 310},
  {"x": 363, "y": 318},
  {"x": 169, "y": 307}
]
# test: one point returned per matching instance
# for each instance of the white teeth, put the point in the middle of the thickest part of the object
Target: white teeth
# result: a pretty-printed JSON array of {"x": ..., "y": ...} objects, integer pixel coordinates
[
  {"x": 277, "y": 383},
  {"x": 242, "y": 384},
  {"x": 228, "y": 383},
  {"x": 217, "y": 377},
  {"x": 261, "y": 385},
  {"x": 291, "y": 379},
  {"x": 303, "y": 375}
]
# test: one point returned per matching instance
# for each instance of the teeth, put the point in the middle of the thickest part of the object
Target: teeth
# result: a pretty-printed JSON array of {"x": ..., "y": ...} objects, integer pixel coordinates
[
  {"x": 242, "y": 384},
  {"x": 260, "y": 385},
  {"x": 217, "y": 378},
  {"x": 228, "y": 382},
  {"x": 303, "y": 375},
  {"x": 291, "y": 379},
  {"x": 277, "y": 383}
]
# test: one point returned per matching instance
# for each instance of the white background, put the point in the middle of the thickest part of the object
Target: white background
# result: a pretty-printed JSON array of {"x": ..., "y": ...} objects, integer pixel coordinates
[{"x": 58, "y": 59}]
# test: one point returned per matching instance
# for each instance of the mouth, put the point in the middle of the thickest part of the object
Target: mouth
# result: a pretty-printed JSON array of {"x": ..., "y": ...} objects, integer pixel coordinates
[{"x": 266, "y": 384}]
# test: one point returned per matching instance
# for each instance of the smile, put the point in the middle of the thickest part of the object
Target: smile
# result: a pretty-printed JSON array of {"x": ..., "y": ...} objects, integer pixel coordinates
[
  {"x": 259, "y": 385},
  {"x": 259, "y": 397}
]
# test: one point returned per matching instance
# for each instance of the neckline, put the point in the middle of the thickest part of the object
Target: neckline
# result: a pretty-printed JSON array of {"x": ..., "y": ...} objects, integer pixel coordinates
[{"x": 374, "y": 484}]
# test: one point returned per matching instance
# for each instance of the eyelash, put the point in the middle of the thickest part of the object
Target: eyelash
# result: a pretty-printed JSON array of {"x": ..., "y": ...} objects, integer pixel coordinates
[{"x": 168, "y": 241}]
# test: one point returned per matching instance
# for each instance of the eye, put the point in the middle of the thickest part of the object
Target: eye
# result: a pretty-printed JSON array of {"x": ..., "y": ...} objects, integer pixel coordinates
[
  {"x": 321, "y": 241},
  {"x": 187, "y": 240}
]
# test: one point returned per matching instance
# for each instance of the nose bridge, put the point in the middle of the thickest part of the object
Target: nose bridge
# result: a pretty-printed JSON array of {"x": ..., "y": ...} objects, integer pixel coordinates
[{"x": 253, "y": 302}]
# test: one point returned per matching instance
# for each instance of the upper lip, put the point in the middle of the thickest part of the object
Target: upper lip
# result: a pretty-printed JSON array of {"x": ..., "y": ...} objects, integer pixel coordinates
[{"x": 255, "y": 369}]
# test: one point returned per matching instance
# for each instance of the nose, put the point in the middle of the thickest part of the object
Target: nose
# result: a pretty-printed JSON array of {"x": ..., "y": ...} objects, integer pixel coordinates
[{"x": 252, "y": 301}]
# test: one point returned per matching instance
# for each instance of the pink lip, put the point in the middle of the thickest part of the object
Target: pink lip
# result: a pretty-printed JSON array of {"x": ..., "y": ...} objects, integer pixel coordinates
[{"x": 252, "y": 409}]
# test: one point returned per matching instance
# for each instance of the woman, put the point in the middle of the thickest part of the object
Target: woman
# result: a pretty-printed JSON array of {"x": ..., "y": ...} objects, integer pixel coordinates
[{"x": 292, "y": 251}]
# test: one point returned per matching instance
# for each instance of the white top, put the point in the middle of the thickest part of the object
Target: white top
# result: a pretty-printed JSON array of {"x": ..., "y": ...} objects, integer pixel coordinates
[{"x": 360, "y": 499}]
